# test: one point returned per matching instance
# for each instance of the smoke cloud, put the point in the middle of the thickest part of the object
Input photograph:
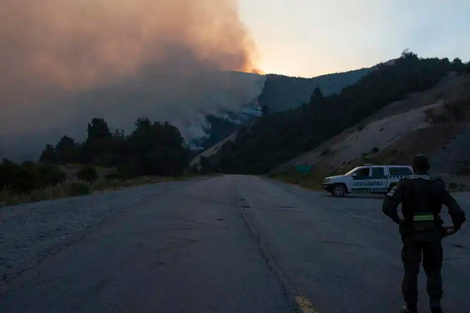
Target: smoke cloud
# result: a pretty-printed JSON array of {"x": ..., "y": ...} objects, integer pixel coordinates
[{"x": 63, "y": 62}]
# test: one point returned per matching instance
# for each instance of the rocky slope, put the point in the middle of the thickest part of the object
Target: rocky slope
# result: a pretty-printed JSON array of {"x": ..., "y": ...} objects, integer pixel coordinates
[{"x": 435, "y": 121}]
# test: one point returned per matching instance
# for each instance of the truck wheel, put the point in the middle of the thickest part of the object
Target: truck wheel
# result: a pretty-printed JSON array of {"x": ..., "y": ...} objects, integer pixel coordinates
[{"x": 339, "y": 190}]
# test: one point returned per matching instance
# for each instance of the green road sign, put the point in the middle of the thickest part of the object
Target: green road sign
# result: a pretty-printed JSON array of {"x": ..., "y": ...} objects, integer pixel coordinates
[{"x": 303, "y": 168}]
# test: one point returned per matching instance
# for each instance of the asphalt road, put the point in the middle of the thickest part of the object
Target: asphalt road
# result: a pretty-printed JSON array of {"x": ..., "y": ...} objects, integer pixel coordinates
[{"x": 224, "y": 244}]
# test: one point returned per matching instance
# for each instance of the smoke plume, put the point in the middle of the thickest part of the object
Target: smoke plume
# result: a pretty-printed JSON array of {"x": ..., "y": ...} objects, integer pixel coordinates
[{"x": 63, "y": 62}]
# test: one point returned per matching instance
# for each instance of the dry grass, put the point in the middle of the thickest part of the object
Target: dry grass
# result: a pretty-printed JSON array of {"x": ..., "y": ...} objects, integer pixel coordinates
[
  {"x": 72, "y": 188},
  {"x": 456, "y": 183},
  {"x": 458, "y": 187},
  {"x": 310, "y": 180},
  {"x": 427, "y": 140}
]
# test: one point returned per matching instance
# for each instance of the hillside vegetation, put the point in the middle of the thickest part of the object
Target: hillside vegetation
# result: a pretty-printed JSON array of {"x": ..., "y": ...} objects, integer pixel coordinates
[
  {"x": 278, "y": 137},
  {"x": 281, "y": 93}
]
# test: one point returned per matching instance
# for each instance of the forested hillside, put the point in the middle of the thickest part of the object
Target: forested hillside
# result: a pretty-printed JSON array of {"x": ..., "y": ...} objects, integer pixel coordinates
[
  {"x": 281, "y": 93},
  {"x": 281, "y": 136}
]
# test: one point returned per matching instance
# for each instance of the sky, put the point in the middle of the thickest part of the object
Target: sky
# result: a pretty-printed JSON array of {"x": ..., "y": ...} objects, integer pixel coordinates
[
  {"x": 308, "y": 38},
  {"x": 71, "y": 60}
]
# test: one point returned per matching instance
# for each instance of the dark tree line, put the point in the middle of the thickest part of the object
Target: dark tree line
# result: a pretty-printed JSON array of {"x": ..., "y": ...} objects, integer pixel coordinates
[
  {"x": 151, "y": 149},
  {"x": 281, "y": 136}
]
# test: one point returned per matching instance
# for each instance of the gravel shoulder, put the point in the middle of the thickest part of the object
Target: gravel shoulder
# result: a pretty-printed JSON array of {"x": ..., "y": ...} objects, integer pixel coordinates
[{"x": 32, "y": 232}]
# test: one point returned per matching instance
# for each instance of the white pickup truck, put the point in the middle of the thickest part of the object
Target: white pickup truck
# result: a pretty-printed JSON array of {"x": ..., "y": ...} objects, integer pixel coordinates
[{"x": 367, "y": 179}]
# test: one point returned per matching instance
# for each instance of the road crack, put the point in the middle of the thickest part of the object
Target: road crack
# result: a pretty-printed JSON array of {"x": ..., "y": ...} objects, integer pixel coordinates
[{"x": 292, "y": 294}]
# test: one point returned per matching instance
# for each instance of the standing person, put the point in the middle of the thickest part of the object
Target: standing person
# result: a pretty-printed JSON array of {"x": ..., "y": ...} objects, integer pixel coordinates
[{"x": 421, "y": 230}]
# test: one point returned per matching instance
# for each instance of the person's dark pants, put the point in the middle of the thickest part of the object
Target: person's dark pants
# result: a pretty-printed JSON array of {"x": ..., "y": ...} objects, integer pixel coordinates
[{"x": 431, "y": 252}]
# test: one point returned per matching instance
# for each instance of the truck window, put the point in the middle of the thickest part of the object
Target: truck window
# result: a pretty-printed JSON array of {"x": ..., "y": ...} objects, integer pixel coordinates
[
  {"x": 362, "y": 172},
  {"x": 378, "y": 172},
  {"x": 400, "y": 171}
]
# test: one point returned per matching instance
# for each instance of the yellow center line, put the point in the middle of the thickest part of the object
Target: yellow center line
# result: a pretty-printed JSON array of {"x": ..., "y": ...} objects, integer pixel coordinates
[{"x": 305, "y": 304}]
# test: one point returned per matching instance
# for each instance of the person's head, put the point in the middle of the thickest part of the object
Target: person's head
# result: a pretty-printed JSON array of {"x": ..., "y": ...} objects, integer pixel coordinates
[{"x": 421, "y": 164}]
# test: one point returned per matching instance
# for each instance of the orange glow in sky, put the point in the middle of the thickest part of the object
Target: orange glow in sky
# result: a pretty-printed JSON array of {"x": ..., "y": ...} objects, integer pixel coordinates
[{"x": 314, "y": 37}]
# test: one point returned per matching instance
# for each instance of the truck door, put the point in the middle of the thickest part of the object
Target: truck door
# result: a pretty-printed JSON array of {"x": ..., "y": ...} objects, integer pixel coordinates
[
  {"x": 379, "y": 181},
  {"x": 361, "y": 178}
]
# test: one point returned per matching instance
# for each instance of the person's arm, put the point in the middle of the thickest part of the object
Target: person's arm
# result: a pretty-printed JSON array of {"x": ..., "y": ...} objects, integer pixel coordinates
[
  {"x": 392, "y": 201},
  {"x": 455, "y": 211}
]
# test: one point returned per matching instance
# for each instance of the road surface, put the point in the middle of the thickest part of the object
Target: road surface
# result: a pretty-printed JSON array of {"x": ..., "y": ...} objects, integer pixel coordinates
[{"x": 224, "y": 244}]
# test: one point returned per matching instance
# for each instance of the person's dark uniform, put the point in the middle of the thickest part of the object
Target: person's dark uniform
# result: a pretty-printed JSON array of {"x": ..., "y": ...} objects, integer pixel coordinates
[{"x": 422, "y": 230}]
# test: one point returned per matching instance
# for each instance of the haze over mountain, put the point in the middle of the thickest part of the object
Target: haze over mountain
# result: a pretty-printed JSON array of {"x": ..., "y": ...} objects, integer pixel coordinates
[
  {"x": 64, "y": 62},
  {"x": 280, "y": 93},
  {"x": 203, "y": 115},
  {"x": 150, "y": 96}
]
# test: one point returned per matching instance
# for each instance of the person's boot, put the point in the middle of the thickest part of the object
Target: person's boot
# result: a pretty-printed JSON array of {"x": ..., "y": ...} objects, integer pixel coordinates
[
  {"x": 409, "y": 309},
  {"x": 436, "y": 306}
]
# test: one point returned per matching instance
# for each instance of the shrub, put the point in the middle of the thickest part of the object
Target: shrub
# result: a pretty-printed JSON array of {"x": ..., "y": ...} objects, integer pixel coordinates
[
  {"x": 50, "y": 175},
  {"x": 127, "y": 171},
  {"x": 8, "y": 173},
  {"x": 429, "y": 115},
  {"x": 26, "y": 179},
  {"x": 114, "y": 176},
  {"x": 326, "y": 151},
  {"x": 433, "y": 118},
  {"x": 100, "y": 185},
  {"x": 79, "y": 188},
  {"x": 9, "y": 198},
  {"x": 456, "y": 110},
  {"x": 88, "y": 174}
]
